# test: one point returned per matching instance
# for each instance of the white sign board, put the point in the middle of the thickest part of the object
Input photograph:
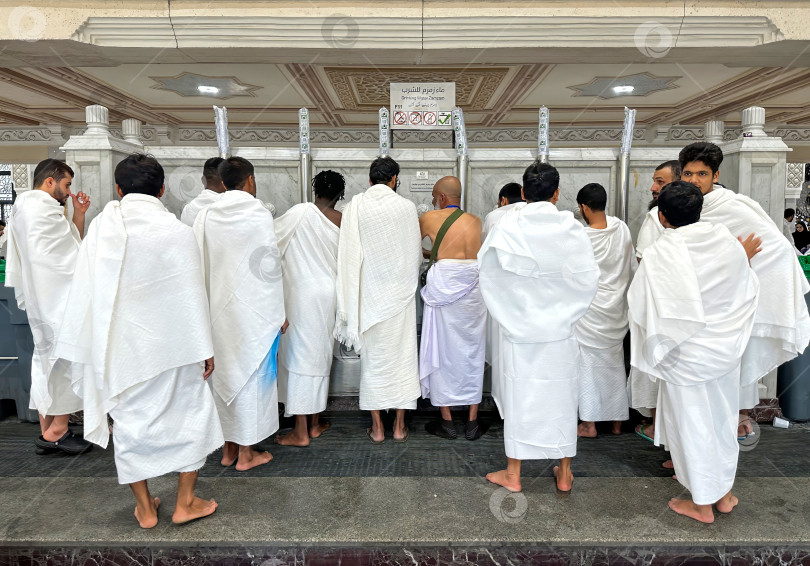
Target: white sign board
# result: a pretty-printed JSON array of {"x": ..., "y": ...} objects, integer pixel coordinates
[{"x": 422, "y": 106}]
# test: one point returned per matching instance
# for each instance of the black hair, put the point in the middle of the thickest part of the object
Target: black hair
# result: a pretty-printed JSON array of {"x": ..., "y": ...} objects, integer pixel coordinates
[
  {"x": 540, "y": 182},
  {"x": 139, "y": 173},
  {"x": 2, "y": 222},
  {"x": 329, "y": 185},
  {"x": 707, "y": 153},
  {"x": 511, "y": 191},
  {"x": 51, "y": 168},
  {"x": 674, "y": 166},
  {"x": 680, "y": 203},
  {"x": 234, "y": 172},
  {"x": 211, "y": 168},
  {"x": 594, "y": 196},
  {"x": 382, "y": 170},
  {"x": 789, "y": 212}
]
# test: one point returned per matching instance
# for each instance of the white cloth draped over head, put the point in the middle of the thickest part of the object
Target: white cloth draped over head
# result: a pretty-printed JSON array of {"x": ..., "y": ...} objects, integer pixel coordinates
[
  {"x": 376, "y": 279},
  {"x": 781, "y": 324},
  {"x": 453, "y": 334},
  {"x": 308, "y": 244},
  {"x": 651, "y": 229},
  {"x": 137, "y": 308},
  {"x": 493, "y": 217},
  {"x": 605, "y": 323},
  {"x": 40, "y": 259},
  {"x": 195, "y": 205},
  {"x": 601, "y": 332},
  {"x": 243, "y": 277},
  {"x": 692, "y": 307},
  {"x": 538, "y": 277}
]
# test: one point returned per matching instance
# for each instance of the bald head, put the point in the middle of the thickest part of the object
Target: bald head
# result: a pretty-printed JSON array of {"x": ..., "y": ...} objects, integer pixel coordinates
[{"x": 447, "y": 191}]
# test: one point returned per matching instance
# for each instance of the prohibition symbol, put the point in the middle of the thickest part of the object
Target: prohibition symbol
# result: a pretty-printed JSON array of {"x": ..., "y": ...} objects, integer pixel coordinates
[
  {"x": 400, "y": 118},
  {"x": 415, "y": 118},
  {"x": 430, "y": 118}
]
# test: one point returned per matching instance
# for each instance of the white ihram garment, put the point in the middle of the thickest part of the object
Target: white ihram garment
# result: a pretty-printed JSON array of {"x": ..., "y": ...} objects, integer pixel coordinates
[
  {"x": 246, "y": 296},
  {"x": 308, "y": 243},
  {"x": 137, "y": 331},
  {"x": 379, "y": 257},
  {"x": 453, "y": 334},
  {"x": 550, "y": 287},
  {"x": 601, "y": 332},
  {"x": 692, "y": 307},
  {"x": 192, "y": 209},
  {"x": 40, "y": 259}
]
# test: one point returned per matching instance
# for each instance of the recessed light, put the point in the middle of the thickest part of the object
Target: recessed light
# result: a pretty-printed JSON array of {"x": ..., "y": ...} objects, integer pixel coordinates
[
  {"x": 205, "y": 89},
  {"x": 623, "y": 89}
]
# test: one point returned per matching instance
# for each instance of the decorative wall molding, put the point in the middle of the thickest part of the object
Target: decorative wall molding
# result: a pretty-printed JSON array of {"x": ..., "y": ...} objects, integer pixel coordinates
[
  {"x": 34, "y": 135},
  {"x": 795, "y": 176},
  {"x": 792, "y": 134},
  {"x": 419, "y": 33}
]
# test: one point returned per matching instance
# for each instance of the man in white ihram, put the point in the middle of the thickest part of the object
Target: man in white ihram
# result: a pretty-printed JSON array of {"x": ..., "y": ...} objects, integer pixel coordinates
[
  {"x": 246, "y": 297},
  {"x": 41, "y": 256},
  {"x": 138, "y": 333},
  {"x": 692, "y": 307},
  {"x": 379, "y": 256},
  {"x": 601, "y": 332},
  {"x": 544, "y": 259},
  {"x": 212, "y": 190}
]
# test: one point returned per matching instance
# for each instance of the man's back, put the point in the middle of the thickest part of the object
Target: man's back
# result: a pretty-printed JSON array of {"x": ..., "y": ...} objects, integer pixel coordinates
[{"x": 463, "y": 238}]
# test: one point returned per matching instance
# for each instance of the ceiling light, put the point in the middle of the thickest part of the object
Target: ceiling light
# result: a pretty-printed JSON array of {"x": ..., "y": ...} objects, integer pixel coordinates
[
  {"x": 205, "y": 89},
  {"x": 623, "y": 89}
]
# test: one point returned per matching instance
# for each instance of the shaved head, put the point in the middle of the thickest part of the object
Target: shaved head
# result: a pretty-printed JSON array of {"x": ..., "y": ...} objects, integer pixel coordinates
[{"x": 450, "y": 187}]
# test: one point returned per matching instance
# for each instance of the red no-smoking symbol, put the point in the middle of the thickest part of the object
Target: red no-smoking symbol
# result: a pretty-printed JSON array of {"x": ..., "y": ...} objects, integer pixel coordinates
[
  {"x": 430, "y": 118},
  {"x": 416, "y": 118},
  {"x": 400, "y": 118}
]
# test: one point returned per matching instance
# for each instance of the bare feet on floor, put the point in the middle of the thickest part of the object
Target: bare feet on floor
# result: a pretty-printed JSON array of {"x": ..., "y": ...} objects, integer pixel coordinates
[
  {"x": 744, "y": 428},
  {"x": 564, "y": 482},
  {"x": 617, "y": 427},
  {"x": 319, "y": 429},
  {"x": 668, "y": 465},
  {"x": 292, "y": 439},
  {"x": 505, "y": 479},
  {"x": 229, "y": 454},
  {"x": 198, "y": 509},
  {"x": 727, "y": 503},
  {"x": 251, "y": 458},
  {"x": 586, "y": 430},
  {"x": 148, "y": 518},
  {"x": 702, "y": 513}
]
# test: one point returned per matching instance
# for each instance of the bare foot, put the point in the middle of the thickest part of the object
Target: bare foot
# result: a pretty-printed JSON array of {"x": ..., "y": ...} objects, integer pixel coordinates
[
  {"x": 727, "y": 503},
  {"x": 617, "y": 427},
  {"x": 564, "y": 483},
  {"x": 292, "y": 439},
  {"x": 319, "y": 429},
  {"x": 702, "y": 513},
  {"x": 744, "y": 428},
  {"x": 251, "y": 458},
  {"x": 647, "y": 429},
  {"x": 198, "y": 509},
  {"x": 586, "y": 430},
  {"x": 378, "y": 436},
  {"x": 148, "y": 519},
  {"x": 229, "y": 454},
  {"x": 504, "y": 479},
  {"x": 668, "y": 465}
]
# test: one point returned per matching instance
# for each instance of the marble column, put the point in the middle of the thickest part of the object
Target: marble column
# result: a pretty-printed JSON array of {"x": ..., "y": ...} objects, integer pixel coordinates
[
  {"x": 714, "y": 131},
  {"x": 93, "y": 157},
  {"x": 131, "y": 129}
]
